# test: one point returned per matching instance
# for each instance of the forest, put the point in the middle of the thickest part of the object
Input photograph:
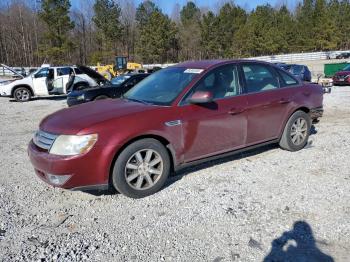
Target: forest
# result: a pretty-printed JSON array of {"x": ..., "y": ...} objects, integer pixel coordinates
[{"x": 95, "y": 31}]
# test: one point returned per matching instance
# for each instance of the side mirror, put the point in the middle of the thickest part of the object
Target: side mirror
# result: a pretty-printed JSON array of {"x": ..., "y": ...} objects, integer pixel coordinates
[{"x": 201, "y": 97}]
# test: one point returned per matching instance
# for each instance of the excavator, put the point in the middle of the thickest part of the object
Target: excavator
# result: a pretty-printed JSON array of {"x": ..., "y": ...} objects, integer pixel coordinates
[{"x": 121, "y": 66}]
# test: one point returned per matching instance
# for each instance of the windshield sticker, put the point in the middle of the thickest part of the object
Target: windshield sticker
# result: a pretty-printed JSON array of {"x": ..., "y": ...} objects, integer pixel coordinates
[{"x": 193, "y": 71}]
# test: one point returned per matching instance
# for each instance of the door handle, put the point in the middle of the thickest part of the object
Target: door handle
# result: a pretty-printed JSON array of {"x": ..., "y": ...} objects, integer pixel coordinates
[
  {"x": 236, "y": 111},
  {"x": 306, "y": 93},
  {"x": 284, "y": 101}
]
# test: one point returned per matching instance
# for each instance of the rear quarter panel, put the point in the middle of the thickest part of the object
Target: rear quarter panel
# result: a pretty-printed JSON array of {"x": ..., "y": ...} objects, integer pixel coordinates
[{"x": 305, "y": 96}]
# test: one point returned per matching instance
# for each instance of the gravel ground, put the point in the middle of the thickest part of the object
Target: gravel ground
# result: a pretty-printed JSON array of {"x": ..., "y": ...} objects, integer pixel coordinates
[{"x": 242, "y": 208}]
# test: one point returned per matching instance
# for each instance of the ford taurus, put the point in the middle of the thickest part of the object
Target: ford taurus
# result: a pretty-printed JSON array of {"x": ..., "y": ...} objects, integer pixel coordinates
[{"x": 178, "y": 116}]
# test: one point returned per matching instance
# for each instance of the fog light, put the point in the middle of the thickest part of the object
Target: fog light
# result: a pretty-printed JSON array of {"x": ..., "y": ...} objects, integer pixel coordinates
[{"x": 58, "y": 180}]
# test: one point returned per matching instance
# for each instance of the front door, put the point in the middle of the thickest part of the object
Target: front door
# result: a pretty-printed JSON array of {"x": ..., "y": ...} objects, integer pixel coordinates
[
  {"x": 40, "y": 82},
  {"x": 219, "y": 126}
]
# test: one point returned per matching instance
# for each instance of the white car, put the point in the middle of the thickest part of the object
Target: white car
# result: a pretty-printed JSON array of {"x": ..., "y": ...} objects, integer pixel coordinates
[
  {"x": 43, "y": 82},
  {"x": 333, "y": 55}
]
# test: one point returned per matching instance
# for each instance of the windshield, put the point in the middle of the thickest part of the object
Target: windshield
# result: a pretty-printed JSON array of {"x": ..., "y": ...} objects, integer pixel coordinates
[
  {"x": 33, "y": 72},
  {"x": 296, "y": 69},
  {"x": 347, "y": 68},
  {"x": 162, "y": 87},
  {"x": 119, "y": 79}
]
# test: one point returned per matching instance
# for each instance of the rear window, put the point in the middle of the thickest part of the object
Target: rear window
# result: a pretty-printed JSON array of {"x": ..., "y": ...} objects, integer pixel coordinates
[
  {"x": 259, "y": 78},
  {"x": 286, "y": 79},
  {"x": 78, "y": 71},
  {"x": 64, "y": 71}
]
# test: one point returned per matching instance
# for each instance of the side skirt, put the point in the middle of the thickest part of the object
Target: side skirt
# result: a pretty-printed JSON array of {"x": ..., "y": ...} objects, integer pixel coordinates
[{"x": 231, "y": 153}]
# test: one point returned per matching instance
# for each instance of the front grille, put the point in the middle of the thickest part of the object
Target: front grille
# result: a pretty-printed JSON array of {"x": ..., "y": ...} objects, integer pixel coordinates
[{"x": 44, "y": 140}]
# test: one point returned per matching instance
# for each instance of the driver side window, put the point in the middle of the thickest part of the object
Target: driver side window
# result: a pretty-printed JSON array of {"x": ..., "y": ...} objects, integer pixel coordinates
[
  {"x": 42, "y": 73},
  {"x": 222, "y": 82}
]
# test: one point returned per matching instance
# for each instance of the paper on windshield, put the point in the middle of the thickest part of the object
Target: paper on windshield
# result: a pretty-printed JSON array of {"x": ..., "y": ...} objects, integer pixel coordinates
[{"x": 193, "y": 71}]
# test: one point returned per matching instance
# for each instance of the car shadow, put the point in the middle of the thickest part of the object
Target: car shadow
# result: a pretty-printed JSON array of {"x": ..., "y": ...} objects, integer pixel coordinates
[
  {"x": 313, "y": 130},
  {"x": 50, "y": 98},
  {"x": 178, "y": 175},
  {"x": 298, "y": 244}
]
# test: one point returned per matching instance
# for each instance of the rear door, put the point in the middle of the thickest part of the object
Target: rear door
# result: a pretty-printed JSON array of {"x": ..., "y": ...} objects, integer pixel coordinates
[
  {"x": 216, "y": 127},
  {"x": 62, "y": 76},
  {"x": 268, "y": 103}
]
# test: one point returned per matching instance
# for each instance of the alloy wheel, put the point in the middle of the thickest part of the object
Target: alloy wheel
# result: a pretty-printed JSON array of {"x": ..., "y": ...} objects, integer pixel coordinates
[
  {"x": 299, "y": 131},
  {"x": 22, "y": 94},
  {"x": 143, "y": 169}
]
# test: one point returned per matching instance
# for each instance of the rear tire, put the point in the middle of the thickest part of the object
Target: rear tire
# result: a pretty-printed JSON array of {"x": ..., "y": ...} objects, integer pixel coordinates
[
  {"x": 22, "y": 94},
  {"x": 141, "y": 169},
  {"x": 296, "y": 132}
]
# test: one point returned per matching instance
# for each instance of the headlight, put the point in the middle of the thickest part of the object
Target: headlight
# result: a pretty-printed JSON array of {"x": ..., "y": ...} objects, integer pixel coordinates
[
  {"x": 81, "y": 97},
  {"x": 65, "y": 145}
]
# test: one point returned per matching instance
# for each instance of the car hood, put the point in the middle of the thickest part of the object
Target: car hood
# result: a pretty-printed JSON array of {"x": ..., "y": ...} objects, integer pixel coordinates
[
  {"x": 87, "y": 89},
  {"x": 93, "y": 74},
  {"x": 343, "y": 73},
  {"x": 72, "y": 120},
  {"x": 13, "y": 71}
]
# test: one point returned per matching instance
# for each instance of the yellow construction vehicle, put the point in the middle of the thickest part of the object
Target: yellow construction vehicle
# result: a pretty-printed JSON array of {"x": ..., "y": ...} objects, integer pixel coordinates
[{"x": 121, "y": 66}]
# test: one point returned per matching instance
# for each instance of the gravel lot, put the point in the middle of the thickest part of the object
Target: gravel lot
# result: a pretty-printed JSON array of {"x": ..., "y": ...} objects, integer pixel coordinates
[{"x": 227, "y": 210}]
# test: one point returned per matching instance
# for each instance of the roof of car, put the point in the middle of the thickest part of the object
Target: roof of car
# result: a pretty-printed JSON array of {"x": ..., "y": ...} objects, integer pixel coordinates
[{"x": 206, "y": 64}]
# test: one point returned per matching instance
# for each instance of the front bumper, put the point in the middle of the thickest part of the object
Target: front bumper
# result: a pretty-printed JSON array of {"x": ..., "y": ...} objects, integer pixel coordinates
[
  {"x": 88, "y": 170},
  {"x": 345, "y": 82},
  {"x": 73, "y": 101},
  {"x": 5, "y": 91}
]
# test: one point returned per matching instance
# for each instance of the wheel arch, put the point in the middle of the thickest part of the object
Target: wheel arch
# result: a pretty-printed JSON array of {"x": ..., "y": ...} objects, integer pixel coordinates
[
  {"x": 161, "y": 139},
  {"x": 301, "y": 108},
  {"x": 96, "y": 96},
  {"x": 22, "y": 85}
]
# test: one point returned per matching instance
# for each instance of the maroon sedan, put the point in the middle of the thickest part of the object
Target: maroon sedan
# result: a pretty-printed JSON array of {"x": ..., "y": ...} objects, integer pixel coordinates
[
  {"x": 180, "y": 115},
  {"x": 342, "y": 77}
]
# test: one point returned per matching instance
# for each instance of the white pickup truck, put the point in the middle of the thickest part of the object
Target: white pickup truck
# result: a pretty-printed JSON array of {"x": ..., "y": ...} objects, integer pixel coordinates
[{"x": 43, "y": 82}]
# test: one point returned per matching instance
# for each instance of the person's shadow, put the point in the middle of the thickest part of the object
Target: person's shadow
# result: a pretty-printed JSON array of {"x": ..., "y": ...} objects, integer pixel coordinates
[{"x": 297, "y": 245}]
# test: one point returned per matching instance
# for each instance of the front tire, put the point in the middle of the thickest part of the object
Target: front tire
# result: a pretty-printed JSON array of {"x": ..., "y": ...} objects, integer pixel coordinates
[
  {"x": 22, "y": 94},
  {"x": 296, "y": 132},
  {"x": 141, "y": 169}
]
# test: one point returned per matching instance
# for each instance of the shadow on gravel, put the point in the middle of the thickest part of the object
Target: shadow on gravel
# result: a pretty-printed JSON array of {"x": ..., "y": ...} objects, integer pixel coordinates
[
  {"x": 313, "y": 130},
  {"x": 51, "y": 98},
  {"x": 187, "y": 170},
  {"x": 108, "y": 192},
  {"x": 297, "y": 245}
]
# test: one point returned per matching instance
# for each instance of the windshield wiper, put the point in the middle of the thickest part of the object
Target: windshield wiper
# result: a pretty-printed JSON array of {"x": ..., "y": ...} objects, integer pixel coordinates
[{"x": 137, "y": 100}]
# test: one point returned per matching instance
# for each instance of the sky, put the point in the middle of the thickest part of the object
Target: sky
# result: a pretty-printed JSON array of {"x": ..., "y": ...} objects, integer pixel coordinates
[{"x": 168, "y": 5}]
